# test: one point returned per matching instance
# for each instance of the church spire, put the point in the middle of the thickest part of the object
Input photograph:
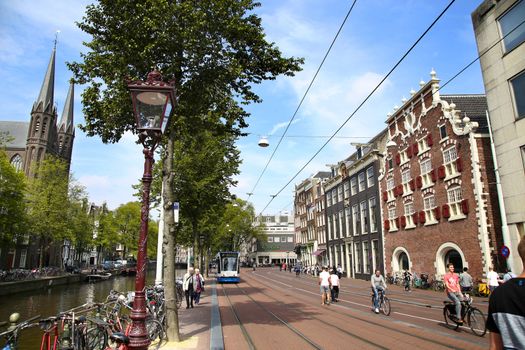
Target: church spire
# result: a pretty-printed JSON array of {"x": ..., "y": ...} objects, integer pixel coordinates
[
  {"x": 48, "y": 86},
  {"x": 66, "y": 122}
]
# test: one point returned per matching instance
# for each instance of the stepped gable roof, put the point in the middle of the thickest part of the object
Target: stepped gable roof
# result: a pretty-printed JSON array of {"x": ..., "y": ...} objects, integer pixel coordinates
[
  {"x": 17, "y": 130},
  {"x": 473, "y": 106}
]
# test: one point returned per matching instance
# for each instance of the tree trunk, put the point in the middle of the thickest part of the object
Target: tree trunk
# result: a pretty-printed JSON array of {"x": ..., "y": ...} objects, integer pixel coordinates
[{"x": 168, "y": 249}]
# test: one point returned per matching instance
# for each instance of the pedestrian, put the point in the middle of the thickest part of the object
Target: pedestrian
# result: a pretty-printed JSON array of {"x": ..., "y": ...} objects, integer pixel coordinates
[
  {"x": 407, "y": 278},
  {"x": 187, "y": 287},
  {"x": 317, "y": 269},
  {"x": 507, "y": 311},
  {"x": 334, "y": 279},
  {"x": 339, "y": 271},
  {"x": 453, "y": 290},
  {"x": 508, "y": 275},
  {"x": 465, "y": 281},
  {"x": 378, "y": 284},
  {"x": 492, "y": 279},
  {"x": 198, "y": 283},
  {"x": 324, "y": 283},
  {"x": 297, "y": 269}
]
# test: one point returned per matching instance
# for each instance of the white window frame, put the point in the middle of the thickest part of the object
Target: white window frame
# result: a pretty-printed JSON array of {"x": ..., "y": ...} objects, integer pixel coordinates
[
  {"x": 347, "y": 221},
  {"x": 366, "y": 262},
  {"x": 422, "y": 145},
  {"x": 450, "y": 155},
  {"x": 346, "y": 189},
  {"x": 454, "y": 197},
  {"x": 392, "y": 215},
  {"x": 429, "y": 203},
  {"x": 355, "y": 217},
  {"x": 406, "y": 176},
  {"x": 328, "y": 198},
  {"x": 370, "y": 176},
  {"x": 404, "y": 157},
  {"x": 426, "y": 168},
  {"x": 270, "y": 239},
  {"x": 409, "y": 211},
  {"x": 358, "y": 257},
  {"x": 363, "y": 211},
  {"x": 353, "y": 185},
  {"x": 361, "y": 181},
  {"x": 372, "y": 208},
  {"x": 390, "y": 185}
]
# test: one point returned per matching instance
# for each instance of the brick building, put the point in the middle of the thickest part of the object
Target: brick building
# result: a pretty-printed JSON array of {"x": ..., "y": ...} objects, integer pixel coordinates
[{"x": 438, "y": 191}]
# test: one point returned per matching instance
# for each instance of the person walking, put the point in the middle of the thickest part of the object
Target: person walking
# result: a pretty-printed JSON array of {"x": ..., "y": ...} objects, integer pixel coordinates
[
  {"x": 187, "y": 287},
  {"x": 334, "y": 279},
  {"x": 507, "y": 311},
  {"x": 378, "y": 284},
  {"x": 492, "y": 279},
  {"x": 407, "y": 278},
  {"x": 198, "y": 283},
  {"x": 324, "y": 283},
  {"x": 339, "y": 271},
  {"x": 465, "y": 281},
  {"x": 508, "y": 275},
  {"x": 453, "y": 290}
]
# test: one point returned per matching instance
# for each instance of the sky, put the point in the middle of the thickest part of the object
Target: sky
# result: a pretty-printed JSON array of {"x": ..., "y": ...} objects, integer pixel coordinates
[{"x": 376, "y": 34}]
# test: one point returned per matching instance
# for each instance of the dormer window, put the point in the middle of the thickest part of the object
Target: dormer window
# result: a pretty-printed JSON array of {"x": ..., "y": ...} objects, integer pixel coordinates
[
  {"x": 359, "y": 152},
  {"x": 443, "y": 131}
]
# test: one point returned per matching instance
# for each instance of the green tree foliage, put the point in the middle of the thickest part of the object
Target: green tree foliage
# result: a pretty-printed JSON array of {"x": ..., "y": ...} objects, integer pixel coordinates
[
  {"x": 12, "y": 204},
  {"x": 80, "y": 225},
  {"x": 47, "y": 202}
]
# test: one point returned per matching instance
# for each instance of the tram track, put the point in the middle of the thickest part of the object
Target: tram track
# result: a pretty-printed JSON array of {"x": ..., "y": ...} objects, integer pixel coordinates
[
  {"x": 247, "y": 337},
  {"x": 374, "y": 323}
]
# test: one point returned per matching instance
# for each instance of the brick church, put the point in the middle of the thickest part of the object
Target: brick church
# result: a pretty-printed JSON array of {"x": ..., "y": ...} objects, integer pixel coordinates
[{"x": 30, "y": 142}]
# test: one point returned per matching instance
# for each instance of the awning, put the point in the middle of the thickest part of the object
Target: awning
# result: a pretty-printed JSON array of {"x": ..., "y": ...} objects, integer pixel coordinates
[{"x": 318, "y": 252}]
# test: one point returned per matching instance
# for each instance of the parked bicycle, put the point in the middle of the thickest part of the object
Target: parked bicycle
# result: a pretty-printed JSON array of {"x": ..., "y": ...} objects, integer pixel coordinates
[
  {"x": 384, "y": 302},
  {"x": 473, "y": 316},
  {"x": 12, "y": 334}
]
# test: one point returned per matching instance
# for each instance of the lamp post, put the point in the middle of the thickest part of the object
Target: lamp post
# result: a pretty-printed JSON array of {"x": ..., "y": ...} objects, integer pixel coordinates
[{"x": 152, "y": 104}]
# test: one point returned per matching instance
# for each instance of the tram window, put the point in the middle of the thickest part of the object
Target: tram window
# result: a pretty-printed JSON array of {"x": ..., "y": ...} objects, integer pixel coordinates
[{"x": 229, "y": 264}]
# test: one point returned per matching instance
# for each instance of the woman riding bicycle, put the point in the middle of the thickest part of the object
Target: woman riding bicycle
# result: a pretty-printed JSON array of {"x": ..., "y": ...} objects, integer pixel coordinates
[{"x": 378, "y": 283}]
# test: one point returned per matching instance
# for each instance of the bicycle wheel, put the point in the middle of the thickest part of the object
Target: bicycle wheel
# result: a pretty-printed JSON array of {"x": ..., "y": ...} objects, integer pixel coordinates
[
  {"x": 96, "y": 339},
  {"x": 477, "y": 322},
  {"x": 155, "y": 332},
  {"x": 385, "y": 306},
  {"x": 449, "y": 319},
  {"x": 179, "y": 296}
]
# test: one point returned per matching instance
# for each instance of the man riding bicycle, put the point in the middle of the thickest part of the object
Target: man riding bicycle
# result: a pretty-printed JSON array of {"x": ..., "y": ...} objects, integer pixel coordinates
[
  {"x": 453, "y": 290},
  {"x": 378, "y": 283}
]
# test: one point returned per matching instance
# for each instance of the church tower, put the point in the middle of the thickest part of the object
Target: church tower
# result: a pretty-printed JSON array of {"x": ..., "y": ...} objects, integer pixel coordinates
[
  {"x": 66, "y": 129},
  {"x": 41, "y": 136}
]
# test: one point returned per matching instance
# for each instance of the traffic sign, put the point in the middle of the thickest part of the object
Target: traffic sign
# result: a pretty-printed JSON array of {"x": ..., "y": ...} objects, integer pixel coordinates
[{"x": 505, "y": 251}]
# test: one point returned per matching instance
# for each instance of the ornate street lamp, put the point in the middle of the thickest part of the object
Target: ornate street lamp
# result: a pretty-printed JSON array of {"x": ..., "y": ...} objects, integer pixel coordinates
[{"x": 153, "y": 101}]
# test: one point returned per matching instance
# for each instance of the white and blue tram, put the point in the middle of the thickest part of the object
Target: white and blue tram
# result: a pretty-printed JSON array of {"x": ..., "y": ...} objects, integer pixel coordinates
[{"x": 228, "y": 267}]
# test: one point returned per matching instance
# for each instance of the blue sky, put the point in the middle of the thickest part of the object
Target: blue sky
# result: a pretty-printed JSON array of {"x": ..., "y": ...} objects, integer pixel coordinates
[{"x": 375, "y": 36}]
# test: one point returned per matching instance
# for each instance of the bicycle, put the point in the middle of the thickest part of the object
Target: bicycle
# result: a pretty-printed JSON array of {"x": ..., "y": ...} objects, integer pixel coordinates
[
  {"x": 438, "y": 285},
  {"x": 12, "y": 333},
  {"x": 475, "y": 318},
  {"x": 384, "y": 302},
  {"x": 180, "y": 293}
]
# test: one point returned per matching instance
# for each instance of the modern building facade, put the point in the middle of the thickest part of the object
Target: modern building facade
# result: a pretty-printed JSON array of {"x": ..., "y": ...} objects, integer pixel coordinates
[
  {"x": 500, "y": 36},
  {"x": 438, "y": 192},
  {"x": 280, "y": 240},
  {"x": 353, "y": 213}
]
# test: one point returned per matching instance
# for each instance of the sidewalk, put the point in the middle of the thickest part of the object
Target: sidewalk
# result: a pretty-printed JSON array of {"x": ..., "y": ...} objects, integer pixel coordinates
[{"x": 200, "y": 327}]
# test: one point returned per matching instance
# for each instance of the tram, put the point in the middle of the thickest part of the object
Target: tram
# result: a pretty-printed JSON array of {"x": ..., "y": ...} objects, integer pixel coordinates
[{"x": 228, "y": 267}]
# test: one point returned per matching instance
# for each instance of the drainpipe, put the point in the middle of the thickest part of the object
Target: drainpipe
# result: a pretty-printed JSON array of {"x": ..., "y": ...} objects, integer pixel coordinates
[{"x": 504, "y": 227}]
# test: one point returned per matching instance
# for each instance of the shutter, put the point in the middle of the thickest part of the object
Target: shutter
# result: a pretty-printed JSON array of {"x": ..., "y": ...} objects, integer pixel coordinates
[
  {"x": 422, "y": 218},
  {"x": 430, "y": 142},
  {"x": 441, "y": 172},
  {"x": 464, "y": 206},
  {"x": 395, "y": 191},
  {"x": 433, "y": 175},
  {"x": 414, "y": 218},
  {"x": 409, "y": 152},
  {"x": 387, "y": 225},
  {"x": 415, "y": 148},
  {"x": 403, "y": 221},
  {"x": 398, "y": 158},
  {"x": 419, "y": 182},
  {"x": 445, "y": 209},
  {"x": 412, "y": 184},
  {"x": 437, "y": 213},
  {"x": 385, "y": 196},
  {"x": 400, "y": 190},
  {"x": 459, "y": 165}
]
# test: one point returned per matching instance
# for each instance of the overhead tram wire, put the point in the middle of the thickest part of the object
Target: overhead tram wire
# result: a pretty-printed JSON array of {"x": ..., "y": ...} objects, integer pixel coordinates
[
  {"x": 304, "y": 96},
  {"x": 364, "y": 101}
]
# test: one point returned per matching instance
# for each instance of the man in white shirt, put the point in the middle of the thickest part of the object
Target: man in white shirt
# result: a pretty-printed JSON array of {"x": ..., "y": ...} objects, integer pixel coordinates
[
  {"x": 492, "y": 279},
  {"x": 324, "y": 283},
  {"x": 334, "y": 280}
]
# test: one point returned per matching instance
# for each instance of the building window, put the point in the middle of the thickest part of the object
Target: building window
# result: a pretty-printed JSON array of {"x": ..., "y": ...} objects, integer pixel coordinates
[
  {"x": 392, "y": 215},
  {"x": 270, "y": 239},
  {"x": 426, "y": 168},
  {"x": 364, "y": 216},
  {"x": 375, "y": 254},
  {"x": 329, "y": 227},
  {"x": 510, "y": 20},
  {"x": 455, "y": 197},
  {"x": 359, "y": 152},
  {"x": 328, "y": 199},
  {"x": 355, "y": 216},
  {"x": 409, "y": 211},
  {"x": 346, "y": 187},
  {"x": 390, "y": 188},
  {"x": 16, "y": 162},
  {"x": 422, "y": 145},
  {"x": 353, "y": 186},
  {"x": 289, "y": 239},
  {"x": 405, "y": 180},
  {"x": 370, "y": 176},
  {"x": 429, "y": 203},
  {"x": 449, "y": 157},
  {"x": 357, "y": 251},
  {"x": 443, "y": 131},
  {"x": 334, "y": 196},
  {"x": 518, "y": 88},
  {"x": 23, "y": 257},
  {"x": 362, "y": 183},
  {"x": 341, "y": 218},
  {"x": 283, "y": 239},
  {"x": 390, "y": 164},
  {"x": 340, "y": 192},
  {"x": 373, "y": 214},
  {"x": 366, "y": 258}
]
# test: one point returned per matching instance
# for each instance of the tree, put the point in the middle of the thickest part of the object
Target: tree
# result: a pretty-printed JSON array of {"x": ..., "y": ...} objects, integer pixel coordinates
[
  {"x": 214, "y": 50},
  {"x": 81, "y": 227},
  {"x": 13, "y": 219},
  {"x": 47, "y": 200}
]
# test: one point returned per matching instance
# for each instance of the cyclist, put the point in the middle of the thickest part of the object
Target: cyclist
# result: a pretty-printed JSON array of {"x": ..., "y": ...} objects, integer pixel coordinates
[
  {"x": 324, "y": 283},
  {"x": 378, "y": 283},
  {"x": 453, "y": 290}
]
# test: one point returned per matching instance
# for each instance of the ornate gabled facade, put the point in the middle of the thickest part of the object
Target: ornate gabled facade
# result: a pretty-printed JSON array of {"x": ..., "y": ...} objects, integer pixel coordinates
[
  {"x": 32, "y": 140},
  {"x": 439, "y": 200}
]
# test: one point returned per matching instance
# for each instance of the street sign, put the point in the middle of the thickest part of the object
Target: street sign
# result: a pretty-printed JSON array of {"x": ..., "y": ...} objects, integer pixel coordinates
[
  {"x": 505, "y": 251},
  {"x": 176, "y": 212}
]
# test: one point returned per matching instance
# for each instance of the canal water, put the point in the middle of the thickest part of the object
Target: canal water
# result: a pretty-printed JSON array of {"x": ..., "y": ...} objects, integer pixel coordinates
[{"x": 52, "y": 301}]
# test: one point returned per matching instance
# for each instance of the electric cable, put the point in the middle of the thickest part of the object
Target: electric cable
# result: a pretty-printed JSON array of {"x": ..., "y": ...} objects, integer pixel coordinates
[
  {"x": 304, "y": 96},
  {"x": 364, "y": 101}
]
